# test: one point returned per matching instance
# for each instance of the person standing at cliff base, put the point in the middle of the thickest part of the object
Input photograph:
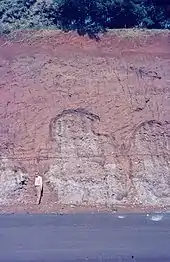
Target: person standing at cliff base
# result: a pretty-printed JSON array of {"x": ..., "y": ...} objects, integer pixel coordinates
[{"x": 39, "y": 187}]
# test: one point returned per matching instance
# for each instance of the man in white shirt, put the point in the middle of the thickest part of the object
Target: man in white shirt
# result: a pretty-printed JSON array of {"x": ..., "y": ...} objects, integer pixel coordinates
[{"x": 39, "y": 187}]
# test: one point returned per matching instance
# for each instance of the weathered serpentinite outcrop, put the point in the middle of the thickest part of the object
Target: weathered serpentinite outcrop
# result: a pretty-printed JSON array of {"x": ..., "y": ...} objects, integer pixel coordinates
[
  {"x": 13, "y": 182},
  {"x": 92, "y": 117}
]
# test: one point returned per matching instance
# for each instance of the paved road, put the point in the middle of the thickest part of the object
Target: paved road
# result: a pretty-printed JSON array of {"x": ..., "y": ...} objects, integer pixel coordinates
[{"x": 89, "y": 237}]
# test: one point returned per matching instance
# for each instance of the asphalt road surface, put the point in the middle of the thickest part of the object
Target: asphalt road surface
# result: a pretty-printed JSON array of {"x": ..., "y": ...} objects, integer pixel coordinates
[{"x": 85, "y": 237}]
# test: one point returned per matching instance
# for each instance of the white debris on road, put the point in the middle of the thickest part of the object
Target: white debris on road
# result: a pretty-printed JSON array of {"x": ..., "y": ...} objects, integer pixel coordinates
[
  {"x": 156, "y": 217},
  {"x": 121, "y": 216}
]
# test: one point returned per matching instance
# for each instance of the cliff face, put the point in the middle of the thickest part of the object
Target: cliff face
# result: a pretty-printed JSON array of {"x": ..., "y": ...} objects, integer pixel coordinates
[{"x": 92, "y": 117}]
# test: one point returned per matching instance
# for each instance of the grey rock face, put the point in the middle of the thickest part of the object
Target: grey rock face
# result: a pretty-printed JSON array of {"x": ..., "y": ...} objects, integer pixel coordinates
[
  {"x": 84, "y": 173},
  {"x": 91, "y": 169},
  {"x": 12, "y": 182},
  {"x": 151, "y": 167}
]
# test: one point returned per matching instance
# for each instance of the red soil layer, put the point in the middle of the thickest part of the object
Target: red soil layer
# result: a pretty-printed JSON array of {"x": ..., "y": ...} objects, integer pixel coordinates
[{"x": 44, "y": 73}]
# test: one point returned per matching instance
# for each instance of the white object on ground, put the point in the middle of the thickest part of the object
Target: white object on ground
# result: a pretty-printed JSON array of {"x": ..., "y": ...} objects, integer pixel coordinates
[
  {"x": 121, "y": 216},
  {"x": 156, "y": 217}
]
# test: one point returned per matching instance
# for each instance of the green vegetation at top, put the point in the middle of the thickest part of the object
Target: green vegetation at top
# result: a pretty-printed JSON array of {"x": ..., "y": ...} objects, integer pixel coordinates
[{"x": 84, "y": 16}]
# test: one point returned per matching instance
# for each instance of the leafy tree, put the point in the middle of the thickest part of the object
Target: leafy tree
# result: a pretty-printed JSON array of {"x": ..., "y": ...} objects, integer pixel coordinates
[{"x": 84, "y": 16}]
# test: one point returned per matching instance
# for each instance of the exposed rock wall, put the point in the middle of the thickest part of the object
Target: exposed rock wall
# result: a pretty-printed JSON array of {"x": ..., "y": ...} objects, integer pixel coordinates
[
  {"x": 93, "y": 118},
  {"x": 13, "y": 181},
  {"x": 93, "y": 169}
]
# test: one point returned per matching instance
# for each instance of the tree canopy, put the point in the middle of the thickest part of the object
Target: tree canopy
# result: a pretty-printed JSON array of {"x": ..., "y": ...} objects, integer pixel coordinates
[{"x": 84, "y": 16}]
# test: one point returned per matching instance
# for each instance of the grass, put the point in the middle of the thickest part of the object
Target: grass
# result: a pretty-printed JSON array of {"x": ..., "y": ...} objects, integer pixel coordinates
[
  {"x": 134, "y": 32},
  {"x": 21, "y": 35}
]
